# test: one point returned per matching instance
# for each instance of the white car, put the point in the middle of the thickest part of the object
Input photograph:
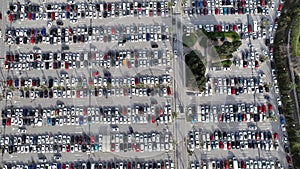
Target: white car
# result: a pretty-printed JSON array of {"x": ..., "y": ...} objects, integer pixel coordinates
[
  {"x": 57, "y": 157},
  {"x": 116, "y": 128},
  {"x": 49, "y": 24},
  {"x": 252, "y": 127},
  {"x": 22, "y": 130},
  {"x": 279, "y": 101}
]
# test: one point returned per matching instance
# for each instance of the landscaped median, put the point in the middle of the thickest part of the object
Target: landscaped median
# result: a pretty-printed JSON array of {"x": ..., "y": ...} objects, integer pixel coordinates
[
  {"x": 295, "y": 36},
  {"x": 195, "y": 74}
]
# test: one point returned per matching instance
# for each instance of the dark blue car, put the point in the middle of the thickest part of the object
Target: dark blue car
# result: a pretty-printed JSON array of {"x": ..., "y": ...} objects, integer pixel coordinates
[
  {"x": 43, "y": 32},
  {"x": 281, "y": 120},
  {"x": 148, "y": 36},
  {"x": 33, "y": 16},
  {"x": 68, "y": 15}
]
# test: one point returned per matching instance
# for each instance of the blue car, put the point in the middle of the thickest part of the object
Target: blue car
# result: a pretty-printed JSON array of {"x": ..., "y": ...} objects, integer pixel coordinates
[
  {"x": 17, "y": 83},
  {"x": 33, "y": 16},
  {"x": 81, "y": 120},
  {"x": 49, "y": 121},
  {"x": 68, "y": 15},
  {"x": 43, "y": 32},
  {"x": 281, "y": 120},
  {"x": 148, "y": 36},
  {"x": 195, "y": 118},
  {"x": 225, "y": 11},
  {"x": 53, "y": 121}
]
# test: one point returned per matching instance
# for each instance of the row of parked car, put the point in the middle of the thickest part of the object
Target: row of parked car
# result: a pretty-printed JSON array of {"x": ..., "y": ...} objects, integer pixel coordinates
[
  {"x": 118, "y": 164},
  {"x": 50, "y": 148},
  {"x": 231, "y": 108},
  {"x": 94, "y": 55},
  {"x": 138, "y": 113},
  {"x": 67, "y": 35},
  {"x": 242, "y": 163},
  {"x": 225, "y": 11},
  {"x": 231, "y": 113},
  {"x": 68, "y": 65},
  {"x": 61, "y": 92},
  {"x": 96, "y": 81},
  {"x": 236, "y": 86},
  {"x": 81, "y": 10},
  {"x": 62, "y": 110},
  {"x": 231, "y": 117},
  {"x": 151, "y": 141},
  {"x": 48, "y": 138},
  {"x": 50, "y": 61}
]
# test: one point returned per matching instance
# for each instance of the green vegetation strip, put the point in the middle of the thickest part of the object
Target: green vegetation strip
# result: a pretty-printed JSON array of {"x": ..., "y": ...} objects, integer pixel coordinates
[
  {"x": 215, "y": 35},
  {"x": 295, "y": 35},
  {"x": 195, "y": 64}
]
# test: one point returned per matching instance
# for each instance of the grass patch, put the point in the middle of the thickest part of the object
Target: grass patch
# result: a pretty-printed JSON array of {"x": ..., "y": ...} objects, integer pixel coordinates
[
  {"x": 295, "y": 35},
  {"x": 189, "y": 41},
  {"x": 215, "y": 35},
  {"x": 224, "y": 63},
  {"x": 196, "y": 71}
]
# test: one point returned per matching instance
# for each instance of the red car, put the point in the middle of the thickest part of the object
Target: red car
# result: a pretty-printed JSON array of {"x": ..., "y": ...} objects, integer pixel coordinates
[
  {"x": 244, "y": 117},
  {"x": 264, "y": 109},
  {"x": 9, "y": 82},
  {"x": 249, "y": 28},
  {"x": 71, "y": 31},
  {"x": 68, "y": 148},
  {"x": 275, "y": 136},
  {"x": 137, "y": 81},
  {"x": 30, "y": 16},
  {"x": 169, "y": 90},
  {"x": 212, "y": 137},
  {"x": 220, "y": 118},
  {"x": 280, "y": 7},
  {"x": 153, "y": 120},
  {"x": 226, "y": 164},
  {"x": 204, "y": 3},
  {"x": 32, "y": 40},
  {"x": 96, "y": 73},
  {"x": 229, "y": 145},
  {"x": 257, "y": 136},
  {"x": 216, "y": 11},
  {"x": 221, "y": 145},
  {"x": 259, "y": 108},
  {"x": 233, "y": 91},
  {"x": 92, "y": 139},
  {"x": 8, "y": 122},
  {"x": 53, "y": 16},
  {"x": 78, "y": 93},
  {"x": 288, "y": 159},
  {"x": 219, "y": 28},
  {"x": 270, "y": 107},
  {"x": 10, "y": 18},
  {"x": 234, "y": 27}
]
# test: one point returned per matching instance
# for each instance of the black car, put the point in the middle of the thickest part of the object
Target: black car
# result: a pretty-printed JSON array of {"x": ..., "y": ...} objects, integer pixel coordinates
[
  {"x": 59, "y": 23},
  {"x": 50, "y": 83},
  {"x": 27, "y": 94}
]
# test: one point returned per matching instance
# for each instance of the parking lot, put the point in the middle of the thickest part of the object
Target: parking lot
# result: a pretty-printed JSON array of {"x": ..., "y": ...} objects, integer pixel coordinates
[{"x": 105, "y": 82}]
